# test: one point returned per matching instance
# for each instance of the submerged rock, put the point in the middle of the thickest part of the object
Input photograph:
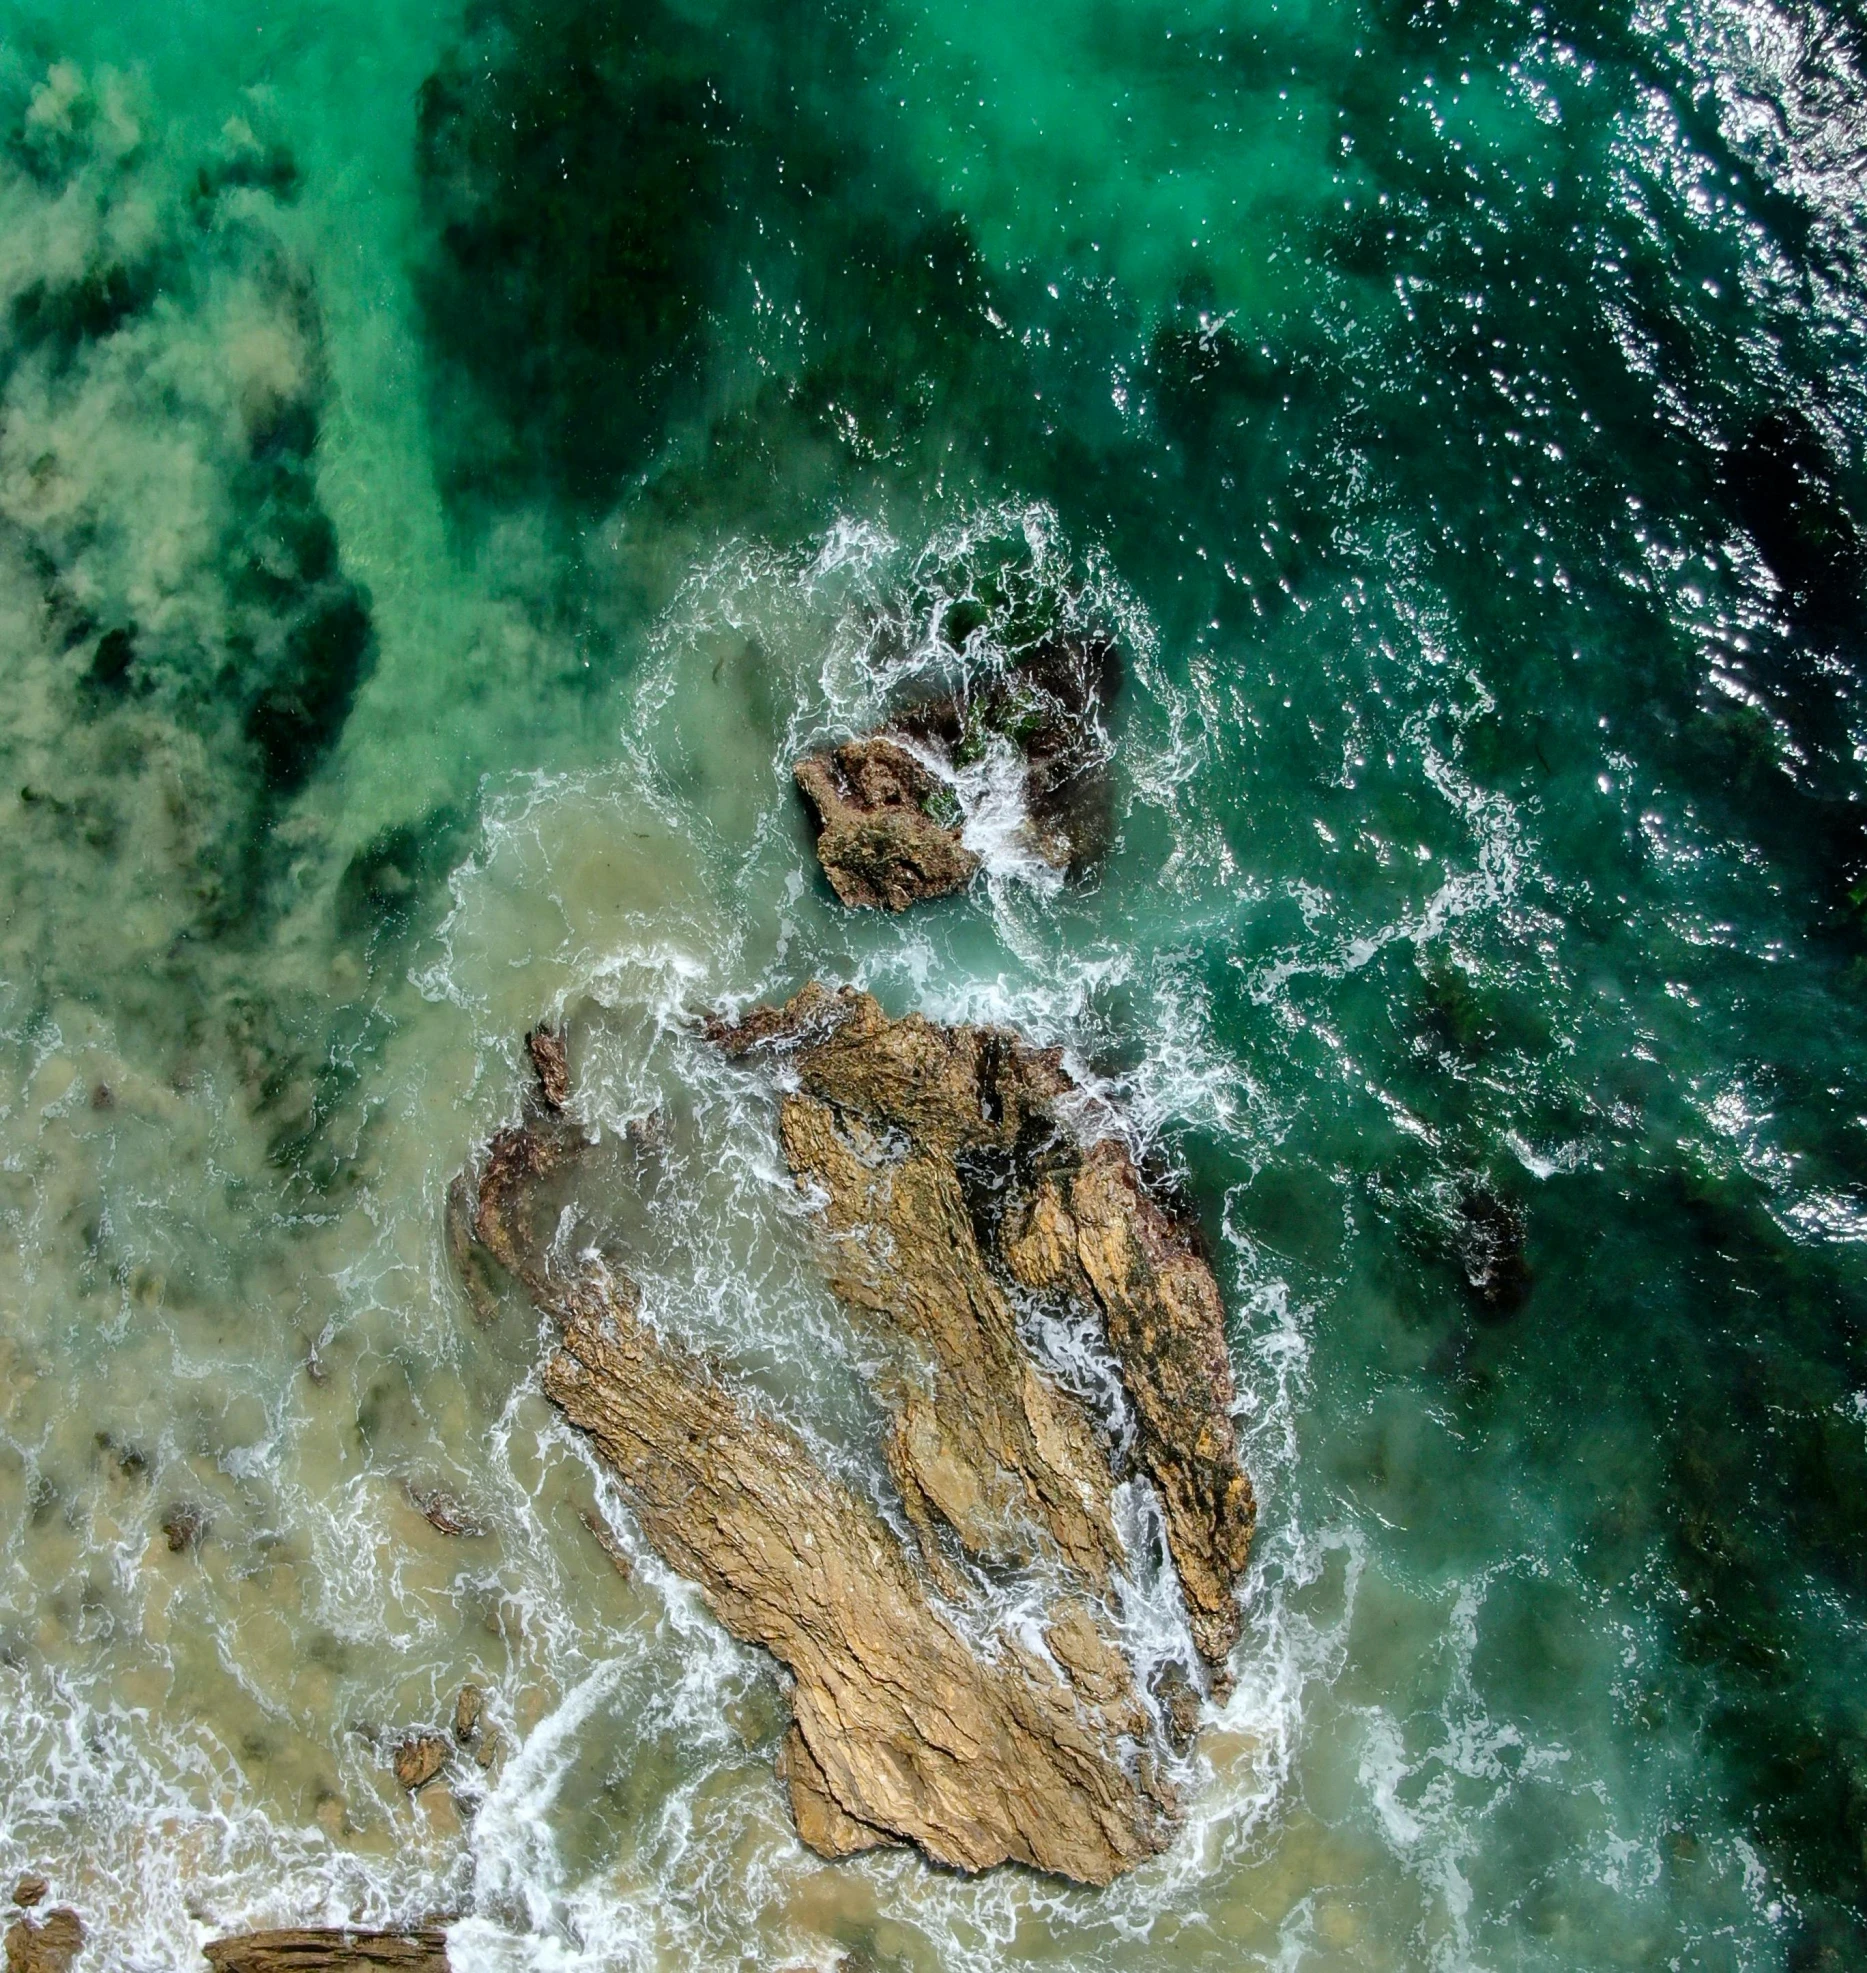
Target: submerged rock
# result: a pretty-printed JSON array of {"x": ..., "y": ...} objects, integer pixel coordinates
[
  {"x": 444, "y": 1512},
  {"x": 906, "y": 1729},
  {"x": 1491, "y": 1240},
  {"x": 619, "y": 1556},
  {"x": 889, "y": 823},
  {"x": 329, "y": 1950},
  {"x": 949, "y": 1169},
  {"x": 185, "y": 1526}
]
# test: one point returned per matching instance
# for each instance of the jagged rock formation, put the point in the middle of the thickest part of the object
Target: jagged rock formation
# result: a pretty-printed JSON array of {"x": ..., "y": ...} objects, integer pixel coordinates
[
  {"x": 879, "y": 839},
  {"x": 889, "y": 827},
  {"x": 905, "y": 1728},
  {"x": 982, "y": 1442},
  {"x": 330, "y": 1950},
  {"x": 418, "y": 1759},
  {"x": 948, "y": 1168},
  {"x": 44, "y": 1945}
]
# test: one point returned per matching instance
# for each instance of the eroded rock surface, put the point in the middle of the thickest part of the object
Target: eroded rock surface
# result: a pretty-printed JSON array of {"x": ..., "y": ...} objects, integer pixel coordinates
[
  {"x": 418, "y": 1759},
  {"x": 889, "y": 823},
  {"x": 981, "y": 1440},
  {"x": 949, "y": 1167},
  {"x": 44, "y": 1945},
  {"x": 906, "y": 1728},
  {"x": 330, "y": 1950},
  {"x": 880, "y": 838}
]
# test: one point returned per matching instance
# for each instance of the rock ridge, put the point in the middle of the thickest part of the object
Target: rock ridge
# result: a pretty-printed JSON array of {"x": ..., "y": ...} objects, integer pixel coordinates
[
  {"x": 952, "y": 1169},
  {"x": 906, "y": 1728}
]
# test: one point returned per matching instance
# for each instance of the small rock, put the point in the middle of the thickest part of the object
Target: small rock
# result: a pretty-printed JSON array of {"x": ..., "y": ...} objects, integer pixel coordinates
[
  {"x": 467, "y": 1709},
  {"x": 647, "y": 1134},
  {"x": 30, "y": 1890},
  {"x": 185, "y": 1525},
  {"x": 1178, "y": 1699},
  {"x": 877, "y": 839},
  {"x": 128, "y": 1463},
  {"x": 46, "y": 1946},
  {"x": 101, "y": 1097},
  {"x": 607, "y": 1542},
  {"x": 444, "y": 1513},
  {"x": 552, "y": 1063},
  {"x": 888, "y": 832},
  {"x": 419, "y": 1759}
]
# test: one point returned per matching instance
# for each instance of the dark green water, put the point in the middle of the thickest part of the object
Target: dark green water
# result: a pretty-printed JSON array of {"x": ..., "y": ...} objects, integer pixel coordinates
[{"x": 450, "y": 464}]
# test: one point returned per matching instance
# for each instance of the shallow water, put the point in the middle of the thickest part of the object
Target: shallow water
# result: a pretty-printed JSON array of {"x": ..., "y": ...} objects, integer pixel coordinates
[{"x": 451, "y": 464}]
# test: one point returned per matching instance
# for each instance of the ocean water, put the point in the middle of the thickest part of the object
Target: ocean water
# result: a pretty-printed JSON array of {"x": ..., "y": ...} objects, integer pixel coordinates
[{"x": 453, "y": 460}]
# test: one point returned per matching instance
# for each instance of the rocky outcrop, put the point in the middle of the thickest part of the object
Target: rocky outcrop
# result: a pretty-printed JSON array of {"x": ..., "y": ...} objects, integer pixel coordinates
[
  {"x": 1047, "y": 708},
  {"x": 981, "y": 1442},
  {"x": 1093, "y": 1234},
  {"x": 886, "y": 805},
  {"x": 44, "y": 1945},
  {"x": 880, "y": 839},
  {"x": 330, "y": 1950},
  {"x": 418, "y": 1759},
  {"x": 551, "y": 1061},
  {"x": 907, "y": 1728},
  {"x": 950, "y": 1172}
]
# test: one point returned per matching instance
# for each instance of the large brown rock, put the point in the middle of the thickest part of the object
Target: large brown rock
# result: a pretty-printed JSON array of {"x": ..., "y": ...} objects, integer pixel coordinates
[
  {"x": 878, "y": 840},
  {"x": 330, "y": 1950},
  {"x": 947, "y": 1164},
  {"x": 906, "y": 1728},
  {"x": 44, "y": 1945}
]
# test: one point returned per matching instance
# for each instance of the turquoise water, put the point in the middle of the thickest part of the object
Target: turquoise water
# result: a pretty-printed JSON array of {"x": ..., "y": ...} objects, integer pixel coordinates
[{"x": 451, "y": 464}]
